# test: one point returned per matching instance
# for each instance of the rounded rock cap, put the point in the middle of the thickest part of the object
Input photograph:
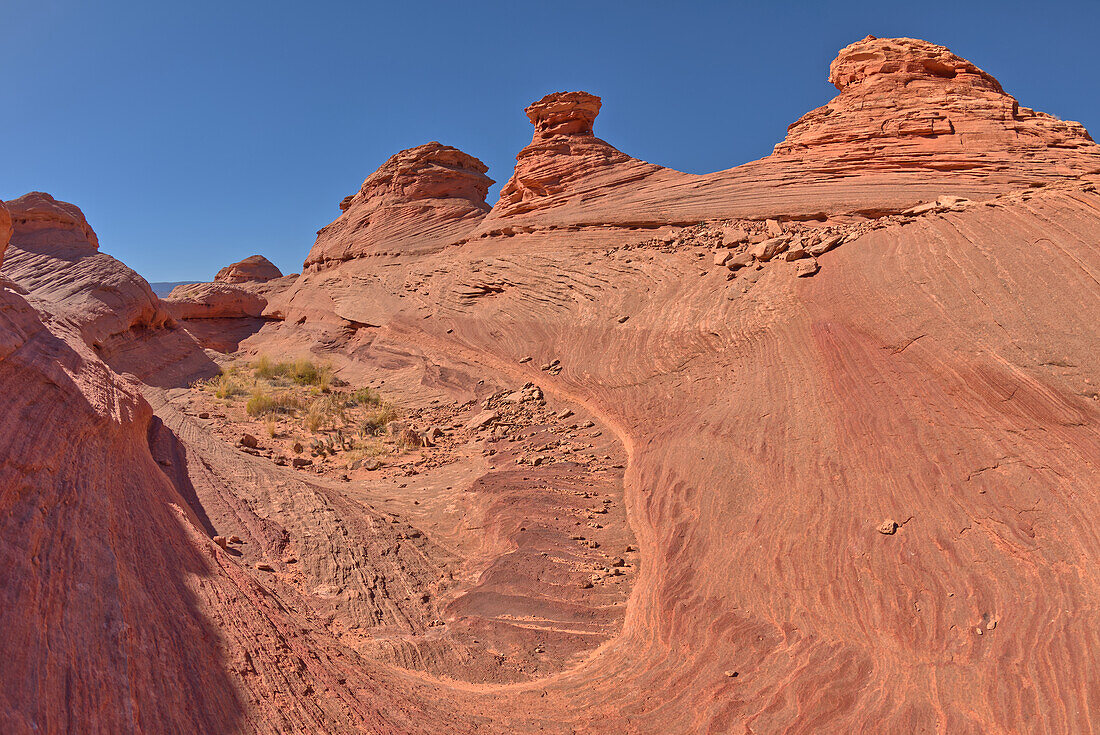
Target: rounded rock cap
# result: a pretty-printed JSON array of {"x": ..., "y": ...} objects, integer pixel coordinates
[
  {"x": 874, "y": 58},
  {"x": 564, "y": 113}
]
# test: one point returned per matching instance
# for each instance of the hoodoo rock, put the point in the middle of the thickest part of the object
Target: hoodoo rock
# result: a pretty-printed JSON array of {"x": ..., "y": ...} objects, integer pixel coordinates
[
  {"x": 564, "y": 113},
  {"x": 564, "y": 159},
  {"x": 418, "y": 201},
  {"x": 906, "y": 102},
  {"x": 254, "y": 268}
]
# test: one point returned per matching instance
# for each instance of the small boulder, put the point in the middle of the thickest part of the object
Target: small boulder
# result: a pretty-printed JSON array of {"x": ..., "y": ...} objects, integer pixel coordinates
[
  {"x": 825, "y": 245},
  {"x": 806, "y": 267},
  {"x": 768, "y": 249},
  {"x": 888, "y": 527},
  {"x": 733, "y": 236},
  {"x": 796, "y": 251},
  {"x": 409, "y": 438},
  {"x": 247, "y": 440},
  {"x": 741, "y": 260},
  {"x": 482, "y": 420}
]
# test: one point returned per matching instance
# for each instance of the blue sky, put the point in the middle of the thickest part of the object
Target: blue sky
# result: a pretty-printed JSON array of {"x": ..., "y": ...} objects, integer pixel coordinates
[{"x": 193, "y": 134}]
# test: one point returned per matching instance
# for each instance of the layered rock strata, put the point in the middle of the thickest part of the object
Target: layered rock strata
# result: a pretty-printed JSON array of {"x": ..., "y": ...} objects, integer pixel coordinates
[{"x": 420, "y": 200}]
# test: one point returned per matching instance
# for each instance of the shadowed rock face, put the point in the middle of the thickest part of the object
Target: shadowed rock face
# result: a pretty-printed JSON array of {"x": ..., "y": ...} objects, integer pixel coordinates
[
  {"x": 842, "y": 455},
  {"x": 420, "y": 200},
  {"x": 255, "y": 268},
  {"x": 5, "y": 230}
]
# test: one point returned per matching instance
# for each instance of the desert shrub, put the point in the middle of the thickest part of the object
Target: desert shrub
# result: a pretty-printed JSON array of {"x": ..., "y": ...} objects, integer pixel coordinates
[
  {"x": 272, "y": 427},
  {"x": 375, "y": 420},
  {"x": 302, "y": 372},
  {"x": 324, "y": 412},
  {"x": 267, "y": 369},
  {"x": 367, "y": 450},
  {"x": 365, "y": 397},
  {"x": 226, "y": 386},
  {"x": 262, "y": 403}
]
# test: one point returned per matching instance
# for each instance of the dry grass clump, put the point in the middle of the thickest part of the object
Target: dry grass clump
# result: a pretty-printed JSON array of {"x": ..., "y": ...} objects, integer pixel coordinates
[
  {"x": 376, "y": 420},
  {"x": 262, "y": 403},
  {"x": 368, "y": 450},
  {"x": 365, "y": 397},
  {"x": 301, "y": 372},
  {"x": 327, "y": 411},
  {"x": 224, "y": 385}
]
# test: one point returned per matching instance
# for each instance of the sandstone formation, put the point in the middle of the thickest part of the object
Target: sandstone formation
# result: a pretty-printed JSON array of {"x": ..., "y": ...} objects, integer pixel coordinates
[
  {"x": 912, "y": 120},
  {"x": 54, "y": 255},
  {"x": 782, "y": 448},
  {"x": 909, "y": 103},
  {"x": 5, "y": 230},
  {"x": 254, "y": 268},
  {"x": 213, "y": 301},
  {"x": 419, "y": 200}
]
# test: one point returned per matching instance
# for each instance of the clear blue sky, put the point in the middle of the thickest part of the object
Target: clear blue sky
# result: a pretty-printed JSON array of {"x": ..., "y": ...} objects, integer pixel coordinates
[{"x": 195, "y": 133}]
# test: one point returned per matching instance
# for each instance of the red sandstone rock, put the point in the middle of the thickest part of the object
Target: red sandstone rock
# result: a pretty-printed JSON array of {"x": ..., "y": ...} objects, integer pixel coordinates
[
  {"x": 939, "y": 370},
  {"x": 53, "y": 254},
  {"x": 254, "y": 268},
  {"x": 902, "y": 130},
  {"x": 564, "y": 158},
  {"x": 5, "y": 230},
  {"x": 40, "y": 219},
  {"x": 420, "y": 200},
  {"x": 213, "y": 301},
  {"x": 905, "y": 99}
]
